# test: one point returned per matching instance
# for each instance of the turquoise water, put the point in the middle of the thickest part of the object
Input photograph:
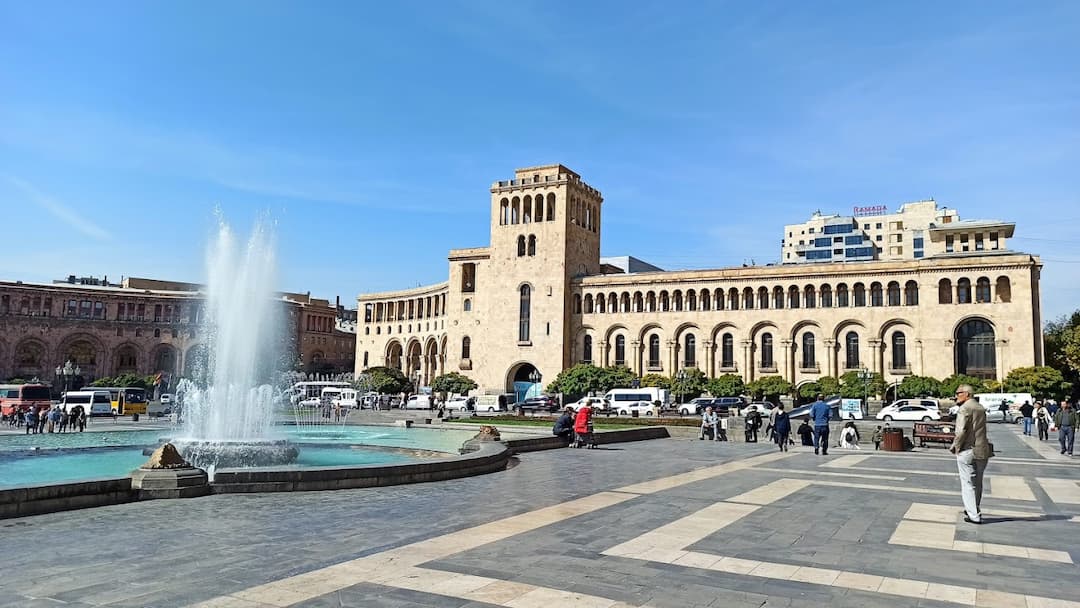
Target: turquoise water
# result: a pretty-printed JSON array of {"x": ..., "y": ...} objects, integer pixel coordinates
[{"x": 115, "y": 453}]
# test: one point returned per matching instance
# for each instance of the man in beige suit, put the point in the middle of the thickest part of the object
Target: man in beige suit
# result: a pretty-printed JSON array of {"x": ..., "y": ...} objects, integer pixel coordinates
[{"x": 973, "y": 451}]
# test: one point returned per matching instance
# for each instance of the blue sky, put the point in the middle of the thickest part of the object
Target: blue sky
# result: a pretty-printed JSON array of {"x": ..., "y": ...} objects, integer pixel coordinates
[{"x": 372, "y": 131}]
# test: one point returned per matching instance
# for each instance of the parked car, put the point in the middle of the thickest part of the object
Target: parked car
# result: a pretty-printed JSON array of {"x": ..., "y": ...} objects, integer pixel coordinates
[
  {"x": 928, "y": 402},
  {"x": 643, "y": 408},
  {"x": 418, "y": 402},
  {"x": 460, "y": 403},
  {"x": 166, "y": 398},
  {"x": 543, "y": 403},
  {"x": 908, "y": 412},
  {"x": 310, "y": 402},
  {"x": 993, "y": 414},
  {"x": 598, "y": 404},
  {"x": 762, "y": 407},
  {"x": 694, "y": 407}
]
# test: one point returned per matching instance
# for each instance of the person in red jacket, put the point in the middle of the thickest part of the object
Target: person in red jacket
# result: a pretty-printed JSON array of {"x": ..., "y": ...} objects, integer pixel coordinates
[{"x": 583, "y": 427}]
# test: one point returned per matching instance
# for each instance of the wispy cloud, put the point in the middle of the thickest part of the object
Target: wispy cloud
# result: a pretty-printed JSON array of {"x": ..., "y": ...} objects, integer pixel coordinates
[{"x": 59, "y": 210}]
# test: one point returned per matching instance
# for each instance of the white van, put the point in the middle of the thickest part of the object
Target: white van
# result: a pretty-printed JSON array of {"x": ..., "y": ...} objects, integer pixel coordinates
[
  {"x": 650, "y": 394},
  {"x": 418, "y": 402},
  {"x": 993, "y": 400},
  {"x": 94, "y": 403},
  {"x": 344, "y": 397}
]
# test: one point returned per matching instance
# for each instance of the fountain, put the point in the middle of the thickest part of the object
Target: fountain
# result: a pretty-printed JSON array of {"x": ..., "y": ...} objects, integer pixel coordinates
[{"x": 229, "y": 405}]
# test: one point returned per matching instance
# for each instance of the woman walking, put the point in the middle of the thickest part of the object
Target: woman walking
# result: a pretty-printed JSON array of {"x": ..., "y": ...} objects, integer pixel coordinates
[{"x": 782, "y": 427}]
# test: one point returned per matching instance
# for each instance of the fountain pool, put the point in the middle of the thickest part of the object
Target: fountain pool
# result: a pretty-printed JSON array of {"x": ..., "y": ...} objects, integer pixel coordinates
[{"x": 60, "y": 458}]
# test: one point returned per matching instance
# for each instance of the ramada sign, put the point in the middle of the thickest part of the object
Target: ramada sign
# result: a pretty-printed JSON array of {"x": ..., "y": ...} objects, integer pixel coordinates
[{"x": 872, "y": 210}]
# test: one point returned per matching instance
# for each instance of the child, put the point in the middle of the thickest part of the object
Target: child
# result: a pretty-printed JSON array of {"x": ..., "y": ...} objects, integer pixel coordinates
[{"x": 876, "y": 437}]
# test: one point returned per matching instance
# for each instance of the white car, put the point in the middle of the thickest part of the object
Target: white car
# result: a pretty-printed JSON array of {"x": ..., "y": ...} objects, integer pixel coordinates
[
  {"x": 457, "y": 404},
  {"x": 599, "y": 405},
  {"x": 643, "y": 408},
  {"x": 418, "y": 402},
  {"x": 695, "y": 407},
  {"x": 908, "y": 412},
  {"x": 166, "y": 398},
  {"x": 994, "y": 414},
  {"x": 762, "y": 408},
  {"x": 927, "y": 402},
  {"x": 310, "y": 402}
]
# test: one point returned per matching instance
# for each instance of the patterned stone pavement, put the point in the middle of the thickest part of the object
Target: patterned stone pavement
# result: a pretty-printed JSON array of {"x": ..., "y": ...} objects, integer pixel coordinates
[{"x": 676, "y": 522}]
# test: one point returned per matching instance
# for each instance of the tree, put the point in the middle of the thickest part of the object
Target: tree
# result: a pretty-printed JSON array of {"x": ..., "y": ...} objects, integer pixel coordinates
[
  {"x": 691, "y": 386},
  {"x": 919, "y": 386},
  {"x": 1061, "y": 341},
  {"x": 727, "y": 385},
  {"x": 585, "y": 378},
  {"x": 1040, "y": 381},
  {"x": 656, "y": 380},
  {"x": 386, "y": 380},
  {"x": 950, "y": 384},
  {"x": 769, "y": 386},
  {"x": 452, "y": 383},
  {"x": 826, "y": 385},
  {"x": 852, "y": 387}
]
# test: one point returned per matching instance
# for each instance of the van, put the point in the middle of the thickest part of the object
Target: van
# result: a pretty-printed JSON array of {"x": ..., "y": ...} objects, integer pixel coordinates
[
  {"x": 650, "y": 394},
  {"x": 418, "y": 402},
  {"x": 19, "y": 398},
  {"x": 340, "y": 397},
  {"x": 1013, "y": 400},
  {"x": 94, "y": 403}
]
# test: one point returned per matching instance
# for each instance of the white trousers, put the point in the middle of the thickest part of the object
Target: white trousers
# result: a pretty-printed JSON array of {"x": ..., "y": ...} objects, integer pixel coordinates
[{"x": 971, "y": 482}]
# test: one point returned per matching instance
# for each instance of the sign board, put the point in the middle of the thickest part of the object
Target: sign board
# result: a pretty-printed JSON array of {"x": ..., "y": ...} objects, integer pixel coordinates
[
  {"x": 851, "y": 408},
  {"x": 870, "y": 210}
]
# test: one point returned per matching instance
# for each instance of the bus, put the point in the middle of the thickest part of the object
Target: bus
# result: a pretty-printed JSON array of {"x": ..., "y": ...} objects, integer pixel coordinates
[
  {"x": 312, "y": 390},
  {"x": 17, "y": 399},
  {"x": 125, "y": 399}
]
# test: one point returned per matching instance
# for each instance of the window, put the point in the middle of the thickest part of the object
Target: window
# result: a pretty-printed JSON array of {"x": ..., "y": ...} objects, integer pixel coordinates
[
  {"x": 911, "y": 293},
  {"x": 949, "y": 246},
  {"x": 654, "y": 351},
  {"x": 468, "y": 277},
  {"x": 690, "y": 351},
  {"x": 894, "y": 293},
  {"x": 975, "y": 354},
  {"x": 877, "y": 226},
  {"x": 763, "y": 297},
  {"x": 826, "y": 296},
  {"x": 842, "y": 295},
  {"x": 586, "y": 350},
  {"x": 899, "y": 351},
  {"x": 851, "y": 342},
  {"x": 917, "y": 242},
  {"x": 532, "y": 244},
  {"x": 860, "y": 294},
  {"x": 838, "y": 229},
  {"x": 86, "y": 309},
  {"x": 808, "y": 358},
  {"x": 809, "y": 297},
  {"x": 466, "y": 347},
  {"x": 727, "y": 351},
  {"x": 963, "y": 291},
  {"x": 822, "y": 242},
  {"x": 945, "y": 291},
  {"x": 620, "y": 350},
  {"x": 1003, "y": 289},
  {"x": 467, "y": 305},
  {"x": 515, "y": 211},
  {"x": 793, "y": 297},
  {"x": 521, "y": 246},
  {"x": 540, "y": 207},
  {"x": 551, "y": 207},
  {"x": 824, "y": 254},
  {"x": 766, "y": 351},
  {"x": 99, "y": 309},
  {"x": 778, "y": 297},
  {"x": 524, "y": 312},
  {"x": 982, "y": 290},
  {"x": 856, "y": 239}
]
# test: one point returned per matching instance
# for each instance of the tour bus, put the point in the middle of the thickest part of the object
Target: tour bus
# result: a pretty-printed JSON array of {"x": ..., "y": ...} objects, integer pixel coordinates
[
  {"x": 95, "y": 402},
  {"x": 19, "y": 398},
  {"x": 623, "y": 396},
  {"x": 312, "y": 390},
  {"x": 125, "y": 400}
]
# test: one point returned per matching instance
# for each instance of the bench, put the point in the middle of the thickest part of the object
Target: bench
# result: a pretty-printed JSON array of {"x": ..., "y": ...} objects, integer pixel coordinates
[{"x": 931, "y": 432}]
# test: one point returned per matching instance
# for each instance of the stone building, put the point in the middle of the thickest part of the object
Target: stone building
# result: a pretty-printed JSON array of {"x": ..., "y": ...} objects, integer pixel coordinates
[
  {"x": 141, "y": 326},
  {"x": 540, "y": 298}
]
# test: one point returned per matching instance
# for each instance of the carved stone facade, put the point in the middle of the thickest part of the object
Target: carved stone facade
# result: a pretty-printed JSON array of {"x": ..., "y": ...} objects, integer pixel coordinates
[{"x": 537, "y": 299}]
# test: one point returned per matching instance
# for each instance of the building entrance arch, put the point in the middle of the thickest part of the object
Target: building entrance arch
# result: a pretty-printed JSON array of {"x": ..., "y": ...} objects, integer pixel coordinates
[{"x": 518, "y": 381}]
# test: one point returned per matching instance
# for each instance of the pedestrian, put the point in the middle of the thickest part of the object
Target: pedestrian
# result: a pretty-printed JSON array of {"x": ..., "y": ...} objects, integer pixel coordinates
[
  {"x": 31, "y": 421},
  {"x": 876, "y": 438},
  {"x": 770, "y": 430},
  {"x": 1027, "y": 411},
  {"x": 781, "y": 427},
  {"x": 753, "y": 423},
  {"x": 973, "y": 451},
  {"x": 583, "y": 427},
  {"x": 710, "y": 425},
  {"x": 63, "y": 421},
  {"x": 806, "y": 434},
  {"x": 1042, "y": 421},
  {"x": 849, "y": 436},
  {"x": 564, "y": 427},
  {"x": 42, "y": 418},
  {"x": 820, "y": 414},
  {"x": 1066, "y": 421}
]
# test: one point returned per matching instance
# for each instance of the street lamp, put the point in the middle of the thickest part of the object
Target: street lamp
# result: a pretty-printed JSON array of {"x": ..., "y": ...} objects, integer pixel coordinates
[
  {"x": 67, "y": 371},
  {"x": 535, "y": 377},
  {"x": 680, "y": 378},
  {"x": 866, "y": 376}
]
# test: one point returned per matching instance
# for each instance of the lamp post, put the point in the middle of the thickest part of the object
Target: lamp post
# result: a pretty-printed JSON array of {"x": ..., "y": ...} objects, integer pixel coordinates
[
  {"x": 680, "y": 378},
  {"x": 67, "y": 371},
  {"x": 535, "y": 377},
  {"x": 866, "y": 375}
]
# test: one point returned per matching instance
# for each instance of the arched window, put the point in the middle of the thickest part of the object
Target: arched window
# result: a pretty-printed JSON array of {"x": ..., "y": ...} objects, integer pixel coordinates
[
  {"x": 624, "y": 302},
  {"x": 677, "y": 300},
  {"x": 733, "y": 299},
  {"x": 894, "y": 293},
  {"x": 748, "y": 298},
  {"x": 551, "y": 207},
  {"x": 586, "y": 350},
  {"x": 613, "y": 302},
  {"x": 504, "y": 212},
  {"x": 467, "y": 305},
  {"x": 808, "y": 356},
  {"x": 664, "y": 303},
  {"x": 466, "y": 347},
  {"x": 851, "y": 343},
  {"x": 963, "y": 291},
  {"x": 691, "y": 300},
  {"x": 525, "y": 311},
  {"x": 975, "y": 354},
  {"x": 526, "y": 210},
  {"x": 810, "y": 296},
  {"x": 577, "y": 303},
  {"x": 650, "y": 302},
  {"x": 690, "y": 351},
  {"x": 515, "y": 211},
  {"x": 778, "y": 297},
  {"x": 842, "y": 296},
  {"x": 601, "y": 303},
  {"x": 539, "y": 207},
  {"x": 1003, "y": 289},
  {"x": 721, "y": 301},
  {"x": 521, "y": 246},
  {"x": 911, "y": 293},
  {"x": 727, "y": 352},
  {"x": 620, "y": 350},
  {"x": 875, "y": 294},
  {"x": 588, "y": 304},
  {"x": 639, "y": 304},
  {"x": 944, "y": 291},
  {"x": 982, "y": 290},
  {"x": 766, "y": 351},
  {"x": 826, "y": 296},
  {"x": 654, "y": 351},
  {"x": 899, "y": 351},
  {"x": 763, "y": 297},
  {"x": 705, "y": 300},
  {"x": 532, "y": 244},
  {"x": 793, "y": 297},
  {"x": 860, "y": 294}
]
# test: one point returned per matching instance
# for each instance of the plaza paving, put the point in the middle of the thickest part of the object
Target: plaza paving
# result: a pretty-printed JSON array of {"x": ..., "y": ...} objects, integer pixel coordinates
[{"x": 670, "y": 523}]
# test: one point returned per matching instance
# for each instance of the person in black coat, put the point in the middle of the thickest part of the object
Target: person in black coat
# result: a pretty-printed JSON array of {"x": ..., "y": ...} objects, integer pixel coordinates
[
  {"x": 782, "y": 427},
  {"x": 806, "y": 434},
  {"x": 564, "y": 425}
]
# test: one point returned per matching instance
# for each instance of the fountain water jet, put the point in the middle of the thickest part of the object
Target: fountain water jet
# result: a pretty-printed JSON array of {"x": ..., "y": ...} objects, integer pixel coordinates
[{"x": 229, "y": 404}]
